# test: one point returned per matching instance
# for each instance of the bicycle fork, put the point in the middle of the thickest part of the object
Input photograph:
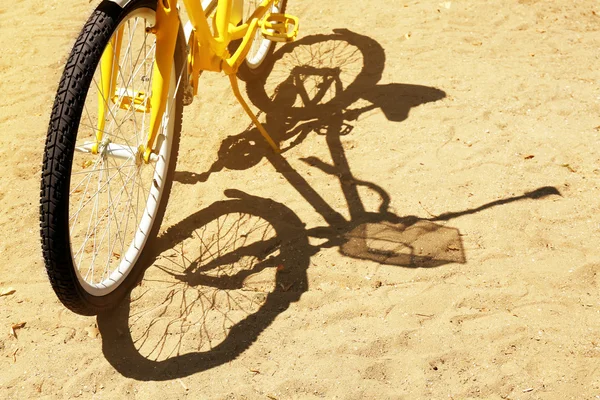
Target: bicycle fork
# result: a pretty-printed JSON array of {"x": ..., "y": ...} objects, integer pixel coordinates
[
  {"x": 165, "y": 29},
  {"x": 109, "y": 72}
]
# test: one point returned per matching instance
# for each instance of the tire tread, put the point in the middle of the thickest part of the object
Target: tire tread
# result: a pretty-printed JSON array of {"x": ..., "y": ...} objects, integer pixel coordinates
[{"x": 58, "y": 157}]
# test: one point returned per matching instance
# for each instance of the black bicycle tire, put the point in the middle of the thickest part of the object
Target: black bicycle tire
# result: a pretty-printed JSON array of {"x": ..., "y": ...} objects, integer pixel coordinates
[{"x": 58, "y": 158}]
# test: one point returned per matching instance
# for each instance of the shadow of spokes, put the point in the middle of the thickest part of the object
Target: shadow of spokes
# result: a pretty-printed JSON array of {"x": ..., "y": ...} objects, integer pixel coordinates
[{"x": 221, "y": 276}]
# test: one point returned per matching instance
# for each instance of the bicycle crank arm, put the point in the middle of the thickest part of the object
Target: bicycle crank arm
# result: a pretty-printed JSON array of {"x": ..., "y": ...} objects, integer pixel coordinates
[{"x": 115, "y": 150}]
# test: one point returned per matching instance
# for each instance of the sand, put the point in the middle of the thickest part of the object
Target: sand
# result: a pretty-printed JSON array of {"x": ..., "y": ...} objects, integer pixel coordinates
[{"x": 430, "y": 232}]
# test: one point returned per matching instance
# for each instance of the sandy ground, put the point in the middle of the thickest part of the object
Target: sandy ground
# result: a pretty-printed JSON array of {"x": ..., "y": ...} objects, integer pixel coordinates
[{"x": 430, "y": 232}]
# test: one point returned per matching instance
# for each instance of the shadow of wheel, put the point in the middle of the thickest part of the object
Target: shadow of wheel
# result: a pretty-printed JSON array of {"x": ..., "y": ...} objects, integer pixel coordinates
[
  {"x": 148, "y": 342},
  {"x": 319, "y": 75}
]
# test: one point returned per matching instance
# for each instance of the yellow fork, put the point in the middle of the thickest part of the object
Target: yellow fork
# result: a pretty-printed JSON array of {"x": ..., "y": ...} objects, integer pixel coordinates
[
  {"x": 109, "y": 65},
  {"x": 165, "y": 29}
]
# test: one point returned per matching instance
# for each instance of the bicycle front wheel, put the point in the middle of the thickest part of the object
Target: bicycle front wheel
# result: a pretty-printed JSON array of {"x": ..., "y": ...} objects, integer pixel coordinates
[{"x": 101, "y": 203}]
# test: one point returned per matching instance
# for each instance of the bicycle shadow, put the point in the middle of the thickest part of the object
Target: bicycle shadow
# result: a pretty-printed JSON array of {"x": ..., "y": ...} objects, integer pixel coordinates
[{"x": 230, "y": 277}]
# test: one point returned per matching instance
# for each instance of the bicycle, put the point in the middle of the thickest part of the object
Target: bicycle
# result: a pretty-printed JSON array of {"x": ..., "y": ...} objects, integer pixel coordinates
[{"x": 114, "y": 130}]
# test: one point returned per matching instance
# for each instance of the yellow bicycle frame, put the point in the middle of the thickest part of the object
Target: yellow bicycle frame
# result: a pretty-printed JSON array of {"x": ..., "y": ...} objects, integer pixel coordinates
[{"x": 207, "y": 52}]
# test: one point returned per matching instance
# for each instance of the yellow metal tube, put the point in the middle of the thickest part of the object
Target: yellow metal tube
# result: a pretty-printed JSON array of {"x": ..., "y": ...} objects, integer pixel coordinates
[
  {"x": 237, "y": 11},
  {"x": 237, "y": 32},
  {"x": 247, "y": 31},
  {"x": 199, "y": 22},
  {"x": 109, "y": 70},
  {"x": 166, "y": 30},
  {"x": 209, "y": 59},
  {"x": 222, "y": 19},
  {"x": 232, "y": 64}
]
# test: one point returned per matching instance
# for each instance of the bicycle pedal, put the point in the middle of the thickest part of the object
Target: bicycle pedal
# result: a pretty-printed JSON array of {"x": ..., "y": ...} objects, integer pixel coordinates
[{"x": 279, "y": 27}]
